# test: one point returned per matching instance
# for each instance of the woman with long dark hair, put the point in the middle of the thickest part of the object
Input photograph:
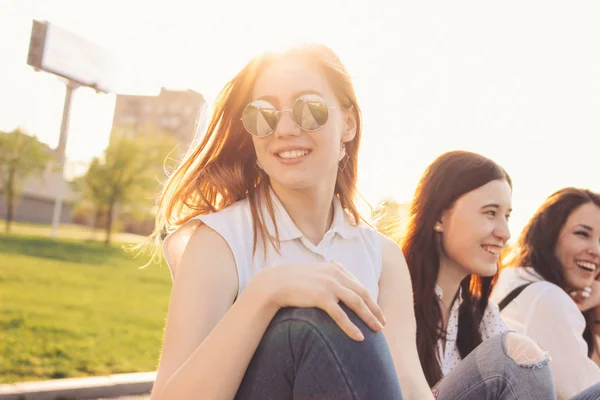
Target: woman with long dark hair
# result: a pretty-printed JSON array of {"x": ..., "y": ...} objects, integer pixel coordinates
[
  {"x": 458, "y": 225},
  {"x": 545, "y": 290}
]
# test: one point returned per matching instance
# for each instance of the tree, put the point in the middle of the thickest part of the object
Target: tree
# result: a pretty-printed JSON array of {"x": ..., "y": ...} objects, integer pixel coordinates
[
  {"x": 21, "y": 156},
  {"x": 127, "y": 175},
  {"x": 389, "y": 218}
]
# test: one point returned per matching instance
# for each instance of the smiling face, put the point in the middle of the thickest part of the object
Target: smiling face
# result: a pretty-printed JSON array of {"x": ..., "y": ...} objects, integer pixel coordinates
[
  {"x": 294, "y": 158},
  {"x": 578, "y": 246},
  {"x": 475, "y": 229}
]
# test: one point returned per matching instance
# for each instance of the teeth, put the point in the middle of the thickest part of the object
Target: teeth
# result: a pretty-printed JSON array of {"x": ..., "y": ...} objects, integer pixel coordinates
[
  {"x": 495, "y": 250},
  {"x": 589, "y": 266},
  {"x": 293, "y": 153}
]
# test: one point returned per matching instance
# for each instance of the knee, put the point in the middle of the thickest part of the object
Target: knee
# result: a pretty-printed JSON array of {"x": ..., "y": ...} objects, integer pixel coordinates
[
  {"x": 300, "y": 323},
  {"x": 303, "y": 321},
  {"x": 524, "y": 351},
  {"x": 311, "y": 316}
]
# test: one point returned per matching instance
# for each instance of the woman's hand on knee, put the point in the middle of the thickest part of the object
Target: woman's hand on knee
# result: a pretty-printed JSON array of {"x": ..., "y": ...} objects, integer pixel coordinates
[{"x": 321, "y": 285}]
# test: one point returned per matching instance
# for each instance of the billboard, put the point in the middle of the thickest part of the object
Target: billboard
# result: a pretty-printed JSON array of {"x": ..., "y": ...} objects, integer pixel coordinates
[{"x": 63, "y": 53}]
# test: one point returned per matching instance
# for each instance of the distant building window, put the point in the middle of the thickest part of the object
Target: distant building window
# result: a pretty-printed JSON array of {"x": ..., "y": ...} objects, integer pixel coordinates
[{"x": 170, "y": 122}]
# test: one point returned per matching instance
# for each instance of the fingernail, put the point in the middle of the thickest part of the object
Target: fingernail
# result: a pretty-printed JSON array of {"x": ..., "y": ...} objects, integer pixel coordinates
[
  {"x": 359, "y": 336},
  {"x": 573, "y": 294},
  {"x": 384, "y": 319}
]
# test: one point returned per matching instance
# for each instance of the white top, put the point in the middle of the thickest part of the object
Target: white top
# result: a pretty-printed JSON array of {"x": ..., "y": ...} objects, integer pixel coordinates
[
  {"x": 357, "y": 248},
  {"x": 491, "y": 325},
  {"x": 547, "y": 314}
]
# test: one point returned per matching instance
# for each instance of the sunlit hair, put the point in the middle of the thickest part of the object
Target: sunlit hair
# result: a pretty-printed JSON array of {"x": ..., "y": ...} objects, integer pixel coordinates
[
  {"x": 221, "y": 169},
  {"x": 536, "y": 245},
  {"x": 449, "y": 177}
]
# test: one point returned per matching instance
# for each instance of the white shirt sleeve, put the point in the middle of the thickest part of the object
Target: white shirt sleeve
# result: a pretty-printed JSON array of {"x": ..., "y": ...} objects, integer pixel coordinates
[
  {"x": 492, "y": 323},
  {"x": 556, "y": 324}
]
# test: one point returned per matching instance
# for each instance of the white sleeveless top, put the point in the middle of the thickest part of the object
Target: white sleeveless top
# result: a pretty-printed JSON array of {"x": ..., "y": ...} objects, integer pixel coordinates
[{"x": 357, "y": 248}]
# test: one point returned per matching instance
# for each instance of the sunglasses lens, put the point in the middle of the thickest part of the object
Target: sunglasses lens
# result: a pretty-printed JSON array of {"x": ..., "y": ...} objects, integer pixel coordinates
[
  {"x": 260, "y": 118},
  {"x": 310, "y": 112}
]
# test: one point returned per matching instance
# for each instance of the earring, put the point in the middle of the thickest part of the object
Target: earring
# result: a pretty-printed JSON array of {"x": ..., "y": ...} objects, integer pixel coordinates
[
  {"x": 258, "y": 167},
  {"x": 437, "y": 227},
  {"x": 343, "y": 151},
  {"x": 344, "y": 159}
]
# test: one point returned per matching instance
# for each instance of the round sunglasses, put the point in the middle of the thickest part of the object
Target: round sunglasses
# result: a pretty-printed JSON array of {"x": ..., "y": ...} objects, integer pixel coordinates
[{"x": 309, "y": 112}]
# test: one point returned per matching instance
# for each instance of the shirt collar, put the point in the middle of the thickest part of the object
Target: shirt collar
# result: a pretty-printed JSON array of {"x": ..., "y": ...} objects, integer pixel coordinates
[
  {"x": 439, "y": 293},
  {"x": 289, "y": 231}
]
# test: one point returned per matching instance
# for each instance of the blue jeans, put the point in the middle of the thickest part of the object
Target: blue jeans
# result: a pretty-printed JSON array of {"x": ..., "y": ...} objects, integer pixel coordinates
[
  {"x": 489, "y": 373},
  {"x": 305, "y": 355},
  {"x": 592, "y": 393}
]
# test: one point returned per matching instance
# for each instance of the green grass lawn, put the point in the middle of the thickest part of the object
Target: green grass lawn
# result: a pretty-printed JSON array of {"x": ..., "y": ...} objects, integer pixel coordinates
[
  {"x": 73, "y": 308},
  {"x": 70, "y": 231}
]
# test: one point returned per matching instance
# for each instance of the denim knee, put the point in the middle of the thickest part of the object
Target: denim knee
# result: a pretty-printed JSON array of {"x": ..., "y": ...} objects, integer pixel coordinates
[
  {"x": 314, "y": 327},
  {"x": 523, "y": 351},
  {"x": 320, "y": 320}
]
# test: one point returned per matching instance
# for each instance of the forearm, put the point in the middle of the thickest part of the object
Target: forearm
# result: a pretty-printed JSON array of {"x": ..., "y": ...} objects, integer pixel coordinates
[
  {"x": 410, "y": 374},
  {"x": 216, "y": 368}
]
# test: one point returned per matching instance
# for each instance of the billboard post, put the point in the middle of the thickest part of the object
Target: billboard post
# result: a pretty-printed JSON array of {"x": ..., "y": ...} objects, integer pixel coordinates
[
  {"x": 60, "y": 153},
  {"x": 81, "y": 63}
]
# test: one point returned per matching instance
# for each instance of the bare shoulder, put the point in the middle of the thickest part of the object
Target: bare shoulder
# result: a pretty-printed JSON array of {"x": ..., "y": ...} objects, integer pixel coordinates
[
  {"x": 394, "y": 271},
  {"x": 207, "y": 264},
  {"x": 206, "y": 248}
]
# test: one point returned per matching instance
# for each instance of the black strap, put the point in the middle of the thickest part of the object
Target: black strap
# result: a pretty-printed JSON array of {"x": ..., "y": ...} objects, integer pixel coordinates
[{"x": 511, "y": 296}]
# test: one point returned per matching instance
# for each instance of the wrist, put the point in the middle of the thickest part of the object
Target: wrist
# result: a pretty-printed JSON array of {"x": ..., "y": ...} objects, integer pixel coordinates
[{"x": 261, "y": 293}]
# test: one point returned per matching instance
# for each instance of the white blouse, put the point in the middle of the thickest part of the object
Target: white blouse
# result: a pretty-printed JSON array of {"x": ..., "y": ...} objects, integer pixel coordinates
[
  {"x": 491, "y": 325},
  {"x": 548, "y": 315},
  {"x": 356, "y": 247}
]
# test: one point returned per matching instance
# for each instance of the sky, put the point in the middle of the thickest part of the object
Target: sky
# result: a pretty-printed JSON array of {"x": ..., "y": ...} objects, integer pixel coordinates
[{"x": 518, "y": 82}]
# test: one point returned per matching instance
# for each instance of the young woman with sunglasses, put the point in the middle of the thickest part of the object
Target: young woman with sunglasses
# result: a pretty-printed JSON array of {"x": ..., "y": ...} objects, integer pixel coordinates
[
  {"x": 280, "y": 290},
  {"x": 547, "y": 289},
  {"x": 458, "y": 224}
]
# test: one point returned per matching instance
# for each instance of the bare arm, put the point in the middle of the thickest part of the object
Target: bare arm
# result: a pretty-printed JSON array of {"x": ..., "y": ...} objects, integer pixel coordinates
[
  {"x": 396, "y": 302},
  {"x": 209, "y": 342}
]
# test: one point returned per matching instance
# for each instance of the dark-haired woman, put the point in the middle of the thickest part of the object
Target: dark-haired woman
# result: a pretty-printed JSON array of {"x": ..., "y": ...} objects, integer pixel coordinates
[
  {"x": 457, "y": 227},
  {"x": 545, "y": 290}
]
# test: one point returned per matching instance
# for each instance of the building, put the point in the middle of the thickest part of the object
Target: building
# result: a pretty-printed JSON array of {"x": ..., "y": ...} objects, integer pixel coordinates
[
  {"x": 172, "y": 111},
  {"x": 35, "y": 204}
]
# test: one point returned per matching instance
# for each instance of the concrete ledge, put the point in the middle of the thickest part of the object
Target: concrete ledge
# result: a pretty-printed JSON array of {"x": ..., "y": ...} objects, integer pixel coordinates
[{"x": 80, "y": 388}]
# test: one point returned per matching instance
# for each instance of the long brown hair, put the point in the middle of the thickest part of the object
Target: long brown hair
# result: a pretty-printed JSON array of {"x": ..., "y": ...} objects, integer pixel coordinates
[
  {"x": 449, "y": 177},
  {"x": 536, "y": 245},
  {"x": 221, "y": 169}
]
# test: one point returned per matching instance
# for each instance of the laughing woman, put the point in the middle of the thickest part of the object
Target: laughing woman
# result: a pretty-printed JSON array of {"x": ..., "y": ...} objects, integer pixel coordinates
[{"x": 542, "y": 291}]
